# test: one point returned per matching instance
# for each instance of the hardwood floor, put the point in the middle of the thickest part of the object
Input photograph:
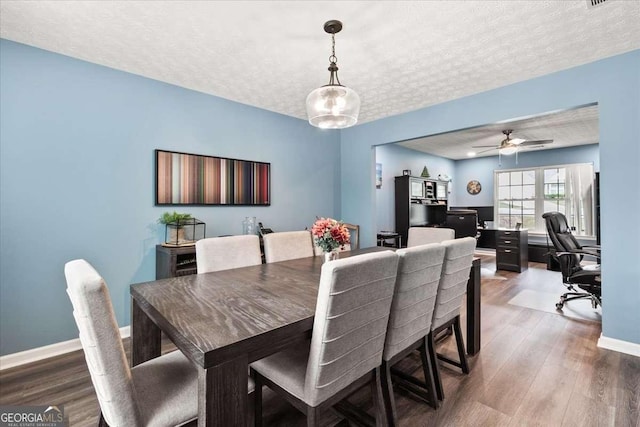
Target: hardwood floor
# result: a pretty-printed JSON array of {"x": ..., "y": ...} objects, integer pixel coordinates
[{"x": 534, "y": 368}]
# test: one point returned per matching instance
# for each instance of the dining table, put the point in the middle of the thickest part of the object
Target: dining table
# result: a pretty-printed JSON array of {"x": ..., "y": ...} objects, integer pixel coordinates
[{"x": 222, "y": 321}]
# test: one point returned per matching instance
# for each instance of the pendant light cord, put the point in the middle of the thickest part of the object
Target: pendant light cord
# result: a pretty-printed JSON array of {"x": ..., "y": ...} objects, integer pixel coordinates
[{"x": 333, "y": 67}]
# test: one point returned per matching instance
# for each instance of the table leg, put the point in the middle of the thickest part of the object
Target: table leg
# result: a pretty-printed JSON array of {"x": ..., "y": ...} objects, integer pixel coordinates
[
  {"x": 145, "y": 336},
  {"x": 473, "y": 309},
  {"x": 222, "y": 394}
]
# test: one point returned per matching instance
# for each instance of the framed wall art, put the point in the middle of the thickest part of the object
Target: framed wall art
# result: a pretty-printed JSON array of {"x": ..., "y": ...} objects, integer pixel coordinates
[
  {"x": 193, "y": 179},
  {"x": 474, "y": 187}
]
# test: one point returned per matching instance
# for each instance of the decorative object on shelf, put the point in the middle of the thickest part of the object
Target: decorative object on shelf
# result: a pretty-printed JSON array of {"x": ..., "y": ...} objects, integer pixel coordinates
[
  {"x": 249, "y": 225},
  {"x": 425, "y": 173},
  {"x": 333, "y": 106},
  {"x": 330, "y": 235},
  {"x": 191, "y": 179},
  {"x": 406, "y": 172},
  {"x": 378, "y": 175},
  {"x": 474, "y": 187},
  {"x": 181, "y": 229},
  {"x": 444, "y": 177}
]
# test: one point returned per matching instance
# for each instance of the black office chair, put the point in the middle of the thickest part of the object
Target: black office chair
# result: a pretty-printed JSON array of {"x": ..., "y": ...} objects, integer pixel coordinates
[{"x": 569, "y": 255}]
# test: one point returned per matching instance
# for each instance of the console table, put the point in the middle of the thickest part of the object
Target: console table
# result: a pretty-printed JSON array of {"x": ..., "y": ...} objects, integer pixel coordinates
[{"x": 384, "y": 236}]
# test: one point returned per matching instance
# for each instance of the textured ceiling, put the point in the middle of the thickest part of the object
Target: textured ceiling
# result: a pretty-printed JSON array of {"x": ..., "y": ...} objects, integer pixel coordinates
[
  {"x": 566, "y": 129},
  {"x": 399, "y": 56}
]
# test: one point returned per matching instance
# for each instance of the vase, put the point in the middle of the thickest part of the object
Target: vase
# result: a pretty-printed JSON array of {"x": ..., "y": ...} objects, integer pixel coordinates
[{"x": 330, "y": 256}]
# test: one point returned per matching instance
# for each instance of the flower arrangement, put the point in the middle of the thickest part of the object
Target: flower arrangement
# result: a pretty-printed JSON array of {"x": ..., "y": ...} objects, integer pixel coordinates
[{"x": 330, "y": 234}]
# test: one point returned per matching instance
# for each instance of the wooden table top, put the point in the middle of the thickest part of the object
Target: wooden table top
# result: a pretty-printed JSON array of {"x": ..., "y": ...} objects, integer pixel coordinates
[{"x": 213, "y": 317}]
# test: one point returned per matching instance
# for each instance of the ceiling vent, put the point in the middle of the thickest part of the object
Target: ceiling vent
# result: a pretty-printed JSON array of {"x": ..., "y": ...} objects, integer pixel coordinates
[{"x": 595, "y": 3}]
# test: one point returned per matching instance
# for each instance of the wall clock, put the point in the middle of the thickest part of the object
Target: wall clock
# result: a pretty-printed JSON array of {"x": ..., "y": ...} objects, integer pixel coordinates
[{"x": 474, "y": 187}]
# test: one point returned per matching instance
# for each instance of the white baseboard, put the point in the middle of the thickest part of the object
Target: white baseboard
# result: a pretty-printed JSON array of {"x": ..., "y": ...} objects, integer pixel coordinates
[
  {"x": 35, "y": 354},
  {"x": 619, "y": 346}
]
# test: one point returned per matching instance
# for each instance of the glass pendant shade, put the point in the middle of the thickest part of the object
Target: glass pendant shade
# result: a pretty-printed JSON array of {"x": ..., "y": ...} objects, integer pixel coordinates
[{"x": 333, "y": 107}]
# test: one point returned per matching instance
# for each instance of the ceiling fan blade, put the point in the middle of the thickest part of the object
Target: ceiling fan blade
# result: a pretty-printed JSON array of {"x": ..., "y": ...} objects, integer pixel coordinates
[
  {"x": 485, "y": 146},
  {"x": 484, "y": 151},
  {"x": 538, "y": 142}
]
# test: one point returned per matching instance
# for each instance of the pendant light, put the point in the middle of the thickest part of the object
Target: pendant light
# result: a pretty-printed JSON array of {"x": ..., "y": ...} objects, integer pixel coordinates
[{"x": 333, "y": 106}]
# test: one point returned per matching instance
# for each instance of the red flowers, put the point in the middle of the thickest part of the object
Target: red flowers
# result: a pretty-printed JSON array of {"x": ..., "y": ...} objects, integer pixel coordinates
[{"x": 330, "y": 234}]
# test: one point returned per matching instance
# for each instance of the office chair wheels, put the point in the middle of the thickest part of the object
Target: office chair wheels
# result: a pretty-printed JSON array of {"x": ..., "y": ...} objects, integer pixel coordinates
[{"x": 559, "y": 306}]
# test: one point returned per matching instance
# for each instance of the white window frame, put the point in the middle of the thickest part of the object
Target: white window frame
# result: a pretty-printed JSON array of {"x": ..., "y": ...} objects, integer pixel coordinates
[{"x": 540, "y": 228}]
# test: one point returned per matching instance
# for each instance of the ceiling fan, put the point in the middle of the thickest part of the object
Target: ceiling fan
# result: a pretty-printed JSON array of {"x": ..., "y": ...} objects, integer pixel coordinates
[{"x": 510, "y": 145}]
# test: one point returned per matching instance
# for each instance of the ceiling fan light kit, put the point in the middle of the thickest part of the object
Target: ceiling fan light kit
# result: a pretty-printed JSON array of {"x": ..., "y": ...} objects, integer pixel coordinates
[
  {"x": 333, "y": 106},
  {"x": 509, "y": 146}
]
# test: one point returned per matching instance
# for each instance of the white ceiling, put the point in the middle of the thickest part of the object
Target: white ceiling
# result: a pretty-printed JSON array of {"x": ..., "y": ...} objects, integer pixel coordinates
[
  {"x": 566, "y": 129},
  {"x": 399, "y": 56}
]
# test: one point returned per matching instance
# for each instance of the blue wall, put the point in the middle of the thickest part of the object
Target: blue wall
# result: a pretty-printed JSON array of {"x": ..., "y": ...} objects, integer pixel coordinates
[
  {"x": 482, "y": 168},
  {"x": 614, "y": 83},
  {"x": 77, "y": 179},
  {"x": 394, "y": 159}
]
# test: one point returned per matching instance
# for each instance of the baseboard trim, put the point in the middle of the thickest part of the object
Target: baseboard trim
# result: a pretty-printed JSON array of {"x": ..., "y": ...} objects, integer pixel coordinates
[
  {"x": 619, "y": 345},
  {"x": 35, "y": 354}
]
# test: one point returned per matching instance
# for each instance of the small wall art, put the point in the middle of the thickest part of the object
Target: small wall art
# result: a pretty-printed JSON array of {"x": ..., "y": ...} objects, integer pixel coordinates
[
  {"x": 474, "y": 187},
  {"x": 378, "y": 175}
]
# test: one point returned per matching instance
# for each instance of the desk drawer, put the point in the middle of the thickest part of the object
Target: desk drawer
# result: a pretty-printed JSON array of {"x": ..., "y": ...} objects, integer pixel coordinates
[{"x": 510, "y": 242}]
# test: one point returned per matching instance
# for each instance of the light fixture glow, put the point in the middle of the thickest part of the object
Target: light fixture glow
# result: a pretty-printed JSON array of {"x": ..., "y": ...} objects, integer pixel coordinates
[
  {"x": 517, "y": 141},
  {"x": 508, "y": 150},
  {"x": 333, "y": 106},
  {"x": 471, "y": 154}
]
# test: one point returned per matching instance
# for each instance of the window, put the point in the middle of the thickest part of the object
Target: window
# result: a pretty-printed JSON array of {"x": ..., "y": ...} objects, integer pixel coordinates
[{"x": 523, "y": 195}]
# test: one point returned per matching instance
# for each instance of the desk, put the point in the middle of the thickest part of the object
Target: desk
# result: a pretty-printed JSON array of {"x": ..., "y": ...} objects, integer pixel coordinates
[{"x": 223, "y": 321}]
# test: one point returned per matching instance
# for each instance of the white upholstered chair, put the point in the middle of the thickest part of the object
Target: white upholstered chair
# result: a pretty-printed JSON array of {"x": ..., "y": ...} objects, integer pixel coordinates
[
  {"x": 425, "y": 235},
  {"x": 414, "y": 298},
  {"x": 224, "y": 253},
  {"x": 345, "y": 351},
  {"x": 354, "y": 235},
  {"x": 458, "y": 258},
  {"x": 287, "y": 245},
  {"x": 160, "y": 392}
]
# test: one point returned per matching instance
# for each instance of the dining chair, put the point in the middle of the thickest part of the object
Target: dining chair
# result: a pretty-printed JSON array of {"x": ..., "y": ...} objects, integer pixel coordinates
[
  {"x": 160, "y": 392},
  {"x": 458, "y": 258},
  {"x": 345, "y": 350},
  {"x": 224, "y": 253},
  {"x": 354, "y": 235},
  {"x": 425, "y": 235},
  {"x": 287, "y": 245},
  {"x": 414, "y": 298}
]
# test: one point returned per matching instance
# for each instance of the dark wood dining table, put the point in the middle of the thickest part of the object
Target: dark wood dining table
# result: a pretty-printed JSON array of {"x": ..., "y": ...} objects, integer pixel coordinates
[{"x": 223, "y": 321}]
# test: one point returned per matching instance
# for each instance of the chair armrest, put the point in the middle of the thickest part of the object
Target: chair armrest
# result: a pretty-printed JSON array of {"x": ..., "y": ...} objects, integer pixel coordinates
[
  {"x": 589, "y": 250},
  {"x": 577, "y": 252}
]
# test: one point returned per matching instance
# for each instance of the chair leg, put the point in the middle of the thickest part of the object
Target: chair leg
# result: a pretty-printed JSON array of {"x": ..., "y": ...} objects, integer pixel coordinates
[
  {"x": 257, "y": 401},
  {"x": 313, "y": 418},
  {"x": 102, "y": 422},
  {"x": 378, "y": 402},
  {"x": 427, "y": 370},
  {"x": 387, "y": 394},
  {"x": 434, "y": 366},
  {"x": 464, "y": 365}
]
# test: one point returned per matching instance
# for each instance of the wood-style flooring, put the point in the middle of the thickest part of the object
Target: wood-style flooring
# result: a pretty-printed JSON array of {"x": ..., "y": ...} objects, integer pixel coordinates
[{"x": 535, "y": 368}]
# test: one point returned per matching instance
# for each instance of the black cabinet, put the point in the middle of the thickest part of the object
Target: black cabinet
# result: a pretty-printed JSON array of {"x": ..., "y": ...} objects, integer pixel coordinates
[
  {"x": 512, "y": 250},
  {"x": 175, "y": 261},
  {"x": 420, "y": 202}
]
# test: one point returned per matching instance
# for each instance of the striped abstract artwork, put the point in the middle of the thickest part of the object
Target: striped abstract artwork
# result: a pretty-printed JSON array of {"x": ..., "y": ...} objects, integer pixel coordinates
[{"x": 190, "y": 179}]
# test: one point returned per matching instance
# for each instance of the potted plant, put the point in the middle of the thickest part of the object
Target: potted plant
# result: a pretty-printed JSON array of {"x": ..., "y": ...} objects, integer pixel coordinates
[{"x": 175, "y": 223}]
